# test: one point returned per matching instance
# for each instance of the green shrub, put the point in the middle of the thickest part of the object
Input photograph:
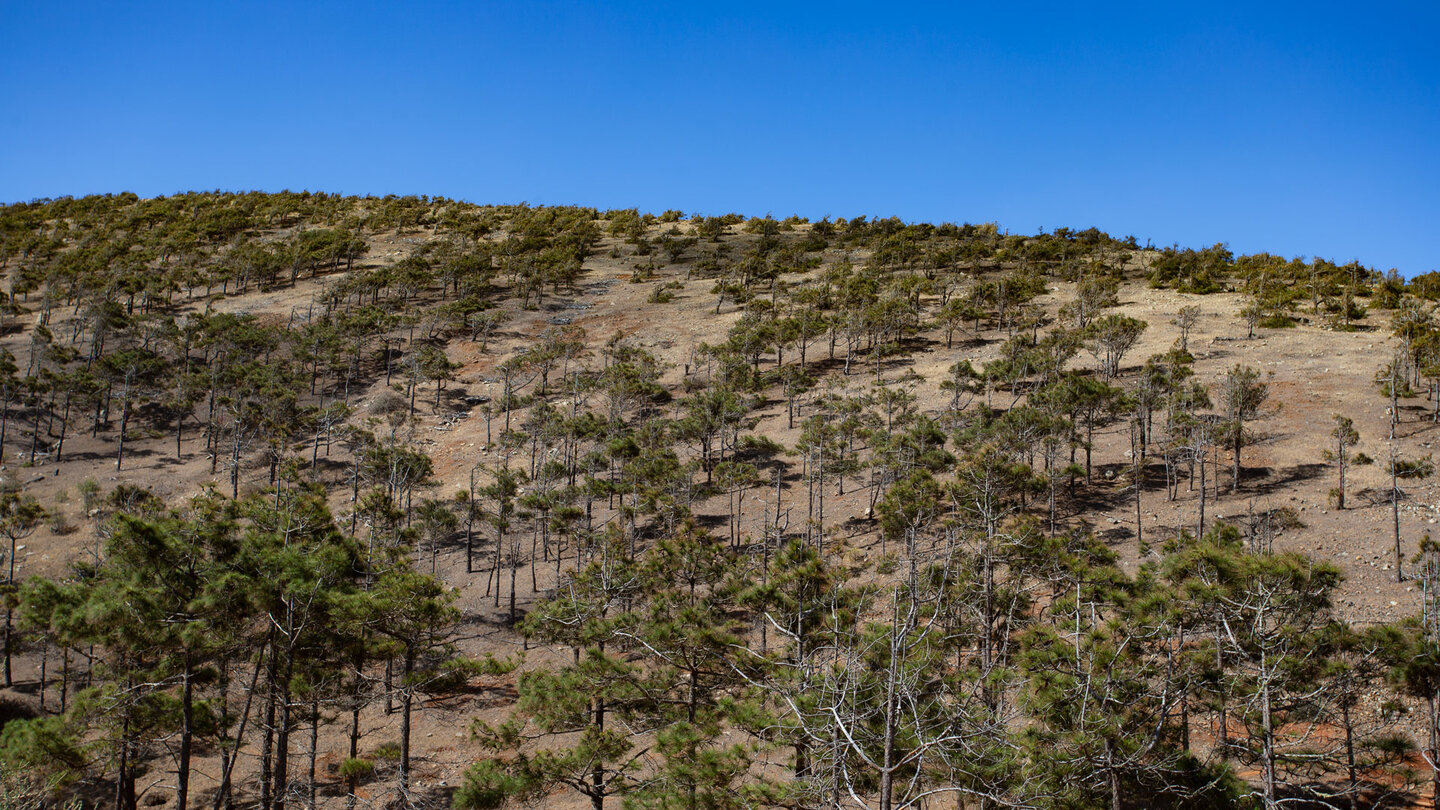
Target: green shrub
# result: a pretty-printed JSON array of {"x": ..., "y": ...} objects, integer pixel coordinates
[
  {"x": 357, "y": 769},
  {"x": 486, "y": 785},
  {"x": 888, "y": 563}
]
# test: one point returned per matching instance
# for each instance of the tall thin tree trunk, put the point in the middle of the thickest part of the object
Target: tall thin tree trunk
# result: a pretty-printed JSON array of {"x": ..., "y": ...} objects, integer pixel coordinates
[
  {"x": 282, "y": 737},
  {"x": 187, "y": 732},
  {"x": 314, "y": 745},
  {"x": 407, "y": 699}
]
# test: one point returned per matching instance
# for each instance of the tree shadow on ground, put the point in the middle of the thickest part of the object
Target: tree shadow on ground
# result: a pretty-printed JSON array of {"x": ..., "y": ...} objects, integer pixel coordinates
[{"x": 1272, "y": 482}]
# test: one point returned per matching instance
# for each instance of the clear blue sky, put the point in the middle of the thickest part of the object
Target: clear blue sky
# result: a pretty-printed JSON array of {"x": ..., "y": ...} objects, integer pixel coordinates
[{"x": 1298, "y": 128}]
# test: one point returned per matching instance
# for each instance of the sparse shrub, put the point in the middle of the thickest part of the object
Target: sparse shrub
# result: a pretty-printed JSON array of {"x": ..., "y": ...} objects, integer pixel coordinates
[
  {"x": 60, "y": 524},
  {"x": 753, "y": 445},
  {"x": 1388, "y": 293},
  {"x": 765, "y": 226},
  {"x": 18, "y": 791},
  {"x": 1286, "y": 518},
  {"x": 812, "y": 242},
  {"x": 888, "y": 564},
  {"x": 357, "y": 769},
  {"x": 133, "y": 500}
]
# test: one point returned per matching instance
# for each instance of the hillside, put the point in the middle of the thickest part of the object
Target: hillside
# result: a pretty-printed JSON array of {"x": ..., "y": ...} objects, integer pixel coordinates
[{"x": 412, "y": 502}]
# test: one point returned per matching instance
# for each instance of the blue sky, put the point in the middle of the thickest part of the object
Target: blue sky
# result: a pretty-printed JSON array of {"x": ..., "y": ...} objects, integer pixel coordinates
[{"x": 1302, "y": 129}]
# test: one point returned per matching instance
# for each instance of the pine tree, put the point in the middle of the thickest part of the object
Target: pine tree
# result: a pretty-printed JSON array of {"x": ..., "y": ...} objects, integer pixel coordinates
[
  {"x": 20, "y": 514},
  {"x": 417, "y": 614},
  {"x": 1345, "y": 437},
  {"x": 599, "y": 700}
]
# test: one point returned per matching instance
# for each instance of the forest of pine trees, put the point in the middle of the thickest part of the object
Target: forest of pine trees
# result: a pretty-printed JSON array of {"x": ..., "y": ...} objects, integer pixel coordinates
[{"x": 654, "y": 577}]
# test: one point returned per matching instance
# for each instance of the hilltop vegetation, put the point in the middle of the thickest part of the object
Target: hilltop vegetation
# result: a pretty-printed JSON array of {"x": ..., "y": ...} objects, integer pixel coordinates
[{"x": 703, "y": 512}]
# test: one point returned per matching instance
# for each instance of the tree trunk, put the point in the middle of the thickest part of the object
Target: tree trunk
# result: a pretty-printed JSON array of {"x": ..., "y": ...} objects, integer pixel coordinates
[
  {"x": 407, "y": 699},
  {"x": 597, "y": 774},
  {"x": 1235, "y": 474},
  {"x": 1351, "y": 774},
  {"x": 282, "y": 738},
  {"x": 124, "y": 421},
  {"x": 9, "y": 617},
  {"x": 1434, "y": 707},
  {"x": 4, "y": 421},
  {"x": 1395, "y": 516},
  {"x": 227, "y": 760},
  {"x": 314, "y": 745},
  {"x": 1268, "y": 732},
  {"x": 267, "y": 742},
  {"x": 187, "y": 732},
  {"x": 1114, "y": 774},
  {"x": 1200, "y": 524}
]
